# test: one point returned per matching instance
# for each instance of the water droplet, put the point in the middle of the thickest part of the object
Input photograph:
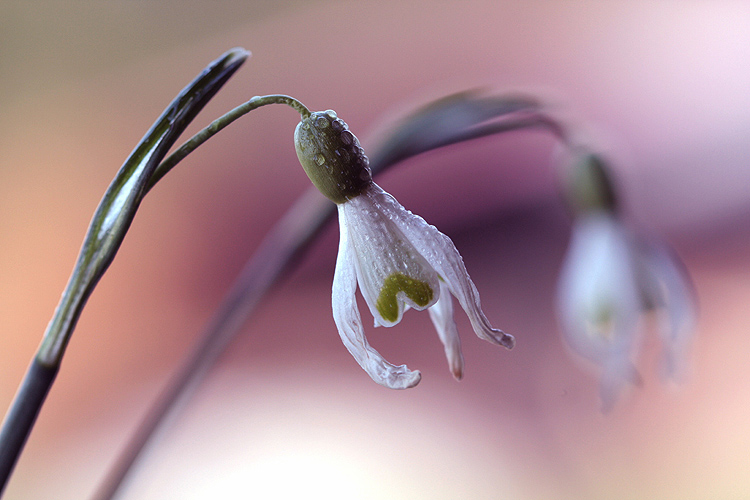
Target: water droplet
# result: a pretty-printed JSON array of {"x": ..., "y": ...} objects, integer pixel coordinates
[
  {"x": 347, "y": 137},
  {"x": 331, "y": 114},
  {"x": 321, "y": 122}
]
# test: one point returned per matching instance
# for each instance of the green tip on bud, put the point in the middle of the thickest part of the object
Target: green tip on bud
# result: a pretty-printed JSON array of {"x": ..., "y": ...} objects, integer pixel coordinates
[
  {"x": 418, "y": 291},
  {"x": 589, "y": 186},
  {"x": 331, "y": 156}
]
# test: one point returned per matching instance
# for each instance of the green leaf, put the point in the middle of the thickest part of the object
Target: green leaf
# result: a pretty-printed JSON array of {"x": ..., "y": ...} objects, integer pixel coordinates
[{"x": 123, "y": 197}]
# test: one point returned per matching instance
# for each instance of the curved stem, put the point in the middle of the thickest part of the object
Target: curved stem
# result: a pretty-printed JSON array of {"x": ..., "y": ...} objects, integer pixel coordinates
[{"x": 218, "y": 125}]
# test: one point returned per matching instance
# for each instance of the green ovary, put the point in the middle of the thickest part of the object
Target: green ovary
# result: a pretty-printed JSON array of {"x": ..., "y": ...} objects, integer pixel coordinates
[
  {"x": 418, "y": 291},
  {"x": 602, "y": 323}
]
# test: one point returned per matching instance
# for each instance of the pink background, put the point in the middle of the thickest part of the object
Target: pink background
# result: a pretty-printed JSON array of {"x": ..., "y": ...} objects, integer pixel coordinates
[{"x": 663, "y": 87}]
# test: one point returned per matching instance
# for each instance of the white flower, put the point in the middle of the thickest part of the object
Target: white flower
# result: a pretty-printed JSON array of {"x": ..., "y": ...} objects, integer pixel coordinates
[
  {"x": 399, "y": 260},
  {"x": 608, "y": 280},
  {"x": 599, "y": 302}
]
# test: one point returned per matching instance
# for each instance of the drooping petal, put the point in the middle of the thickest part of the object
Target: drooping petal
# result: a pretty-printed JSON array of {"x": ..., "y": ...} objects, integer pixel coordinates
[
  {"x": 391, "y": 273},
  {"x": 441, "y": 254},
  {"x": 667, "y": 288},
  {"x": 598, "y": 299},
  {"x": 617, "y": 374},
  {"x": 441, "y": 315},
  {"x": 349, "y": 323},
  {"x": 597, "y": 294}
]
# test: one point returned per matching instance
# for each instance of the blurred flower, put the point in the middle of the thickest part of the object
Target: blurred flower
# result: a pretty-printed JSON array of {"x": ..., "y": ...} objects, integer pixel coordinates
[
  {"x": 609, "y": 278},
  {"x": 398, "y": 259}
]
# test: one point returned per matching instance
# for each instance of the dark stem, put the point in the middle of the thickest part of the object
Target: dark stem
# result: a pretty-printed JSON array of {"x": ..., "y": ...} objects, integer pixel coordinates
[{"x": 22, "y": 415}]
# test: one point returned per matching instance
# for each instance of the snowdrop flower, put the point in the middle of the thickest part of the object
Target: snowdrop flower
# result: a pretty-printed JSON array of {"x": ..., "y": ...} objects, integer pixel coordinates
[
  {"x": 609, "y": 278},
  {"x": 399, "y": 260}
]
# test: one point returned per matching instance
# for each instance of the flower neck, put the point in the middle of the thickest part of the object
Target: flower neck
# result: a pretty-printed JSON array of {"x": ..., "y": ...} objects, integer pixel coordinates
[{"x": 589, "y": 186}]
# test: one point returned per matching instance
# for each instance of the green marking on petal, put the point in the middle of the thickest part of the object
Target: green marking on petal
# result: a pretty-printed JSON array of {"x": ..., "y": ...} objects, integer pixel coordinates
[{"x": 418, "y": 291}]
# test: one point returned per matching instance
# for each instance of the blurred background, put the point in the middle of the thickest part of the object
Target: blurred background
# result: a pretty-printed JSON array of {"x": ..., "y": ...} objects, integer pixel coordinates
[{"x": 660, "y": 86}]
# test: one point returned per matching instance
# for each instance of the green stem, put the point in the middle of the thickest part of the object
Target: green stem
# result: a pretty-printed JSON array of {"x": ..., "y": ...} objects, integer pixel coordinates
[{"x": 217, "y": 125}]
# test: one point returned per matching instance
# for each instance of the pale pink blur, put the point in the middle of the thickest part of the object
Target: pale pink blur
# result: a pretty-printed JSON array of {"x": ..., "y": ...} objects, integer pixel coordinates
[{"x": 662, "y": 87}]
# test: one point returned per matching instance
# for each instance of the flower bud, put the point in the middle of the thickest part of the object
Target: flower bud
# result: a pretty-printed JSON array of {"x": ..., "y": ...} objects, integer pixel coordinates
[
  {"x": 331, "y": 156},
  {"x": 589, "y": 186}
]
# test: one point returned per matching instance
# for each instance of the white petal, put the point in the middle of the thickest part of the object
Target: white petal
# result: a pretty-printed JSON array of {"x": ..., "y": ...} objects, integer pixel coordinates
[
  {"x": 348, "y": 321},
  {"x": 666, "y": 286},
  {"x": 442, "y": 317},
  {"x": 392, "y": 275},
  {"x": 440, "y": 252},
  {"x": 598, "y": 300}
]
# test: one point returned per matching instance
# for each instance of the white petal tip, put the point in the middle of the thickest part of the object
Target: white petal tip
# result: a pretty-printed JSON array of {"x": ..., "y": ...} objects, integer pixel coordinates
[
  {"x": 456, "y": 364},
  {"x": 406, "y": 381},
  {"x": 499, "y": 337},
  {"x": 496, "y": 336},
  {"x": 615, "y": 379},
  {"x": 397, "y": 377}
]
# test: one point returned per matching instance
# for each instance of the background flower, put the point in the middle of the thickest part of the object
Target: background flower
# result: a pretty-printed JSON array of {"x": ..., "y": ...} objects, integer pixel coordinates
[{"x": 611, "y": 278}]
